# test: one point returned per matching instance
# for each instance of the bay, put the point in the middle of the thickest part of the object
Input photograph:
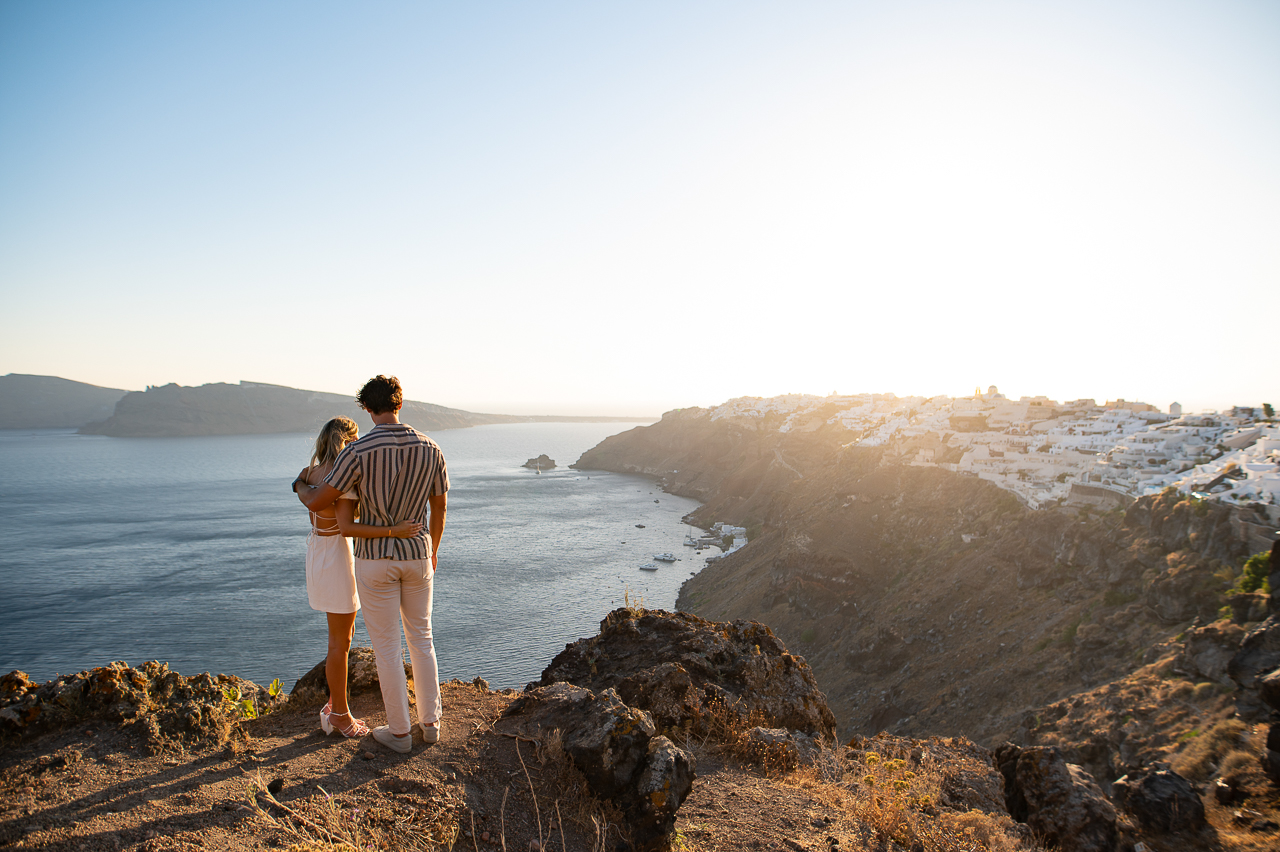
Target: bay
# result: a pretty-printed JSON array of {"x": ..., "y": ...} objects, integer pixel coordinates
[{"x": 191, "y": 551}]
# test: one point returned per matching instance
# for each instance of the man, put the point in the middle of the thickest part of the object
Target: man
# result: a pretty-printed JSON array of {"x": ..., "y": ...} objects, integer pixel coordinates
[{"x": 398, "y": 473}]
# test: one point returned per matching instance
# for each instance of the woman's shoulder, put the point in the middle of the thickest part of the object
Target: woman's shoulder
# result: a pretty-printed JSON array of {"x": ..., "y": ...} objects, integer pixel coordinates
[{"x": 317, "y": 472}]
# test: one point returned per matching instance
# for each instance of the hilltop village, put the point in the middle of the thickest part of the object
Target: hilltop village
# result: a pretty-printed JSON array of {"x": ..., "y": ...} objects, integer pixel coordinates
[{"x": 1046, "y": 452}]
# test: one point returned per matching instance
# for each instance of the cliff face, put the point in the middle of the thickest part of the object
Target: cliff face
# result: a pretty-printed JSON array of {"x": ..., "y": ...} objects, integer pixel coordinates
[
  {"x": 254, "y": 409},
  {"x": 48, "y": 402},
  {"x": 927, "y": 602}
]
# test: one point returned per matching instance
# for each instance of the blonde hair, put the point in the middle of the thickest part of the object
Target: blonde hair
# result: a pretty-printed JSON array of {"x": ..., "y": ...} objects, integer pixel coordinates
[{"x": 334, "y": 435}]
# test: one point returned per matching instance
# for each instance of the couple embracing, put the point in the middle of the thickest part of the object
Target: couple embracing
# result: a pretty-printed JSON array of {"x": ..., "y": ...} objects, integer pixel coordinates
[{"x": 395, "y": 479}]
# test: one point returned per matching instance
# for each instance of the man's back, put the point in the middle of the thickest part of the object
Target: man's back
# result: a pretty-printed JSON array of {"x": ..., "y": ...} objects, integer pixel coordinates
[{"x": 394, "y": 469}]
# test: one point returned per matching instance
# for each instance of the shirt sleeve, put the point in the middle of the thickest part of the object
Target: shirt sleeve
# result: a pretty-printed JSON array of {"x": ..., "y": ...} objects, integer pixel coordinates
[
  {"x": 348, "y": 495},
  {"x": 346, "y": 473},
  {"x": 440, "y": 483}
]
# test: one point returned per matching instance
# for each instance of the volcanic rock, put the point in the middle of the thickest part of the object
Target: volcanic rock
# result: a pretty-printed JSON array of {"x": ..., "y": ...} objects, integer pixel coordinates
[
  {"x": 1059, "y": 800},
  {"x": 618, "y": 751},
  {"x": 1161, "y": 801},
  {"x": 166, "y": 704},
  {"x": 690, "y": 672}
]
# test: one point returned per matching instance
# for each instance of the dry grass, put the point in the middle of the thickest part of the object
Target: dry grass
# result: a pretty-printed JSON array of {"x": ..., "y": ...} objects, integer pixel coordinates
[
  {"x": 1202, "y": 752},
  {"x": 332, "y": 825},
  {"x": 896, "y": 801}
]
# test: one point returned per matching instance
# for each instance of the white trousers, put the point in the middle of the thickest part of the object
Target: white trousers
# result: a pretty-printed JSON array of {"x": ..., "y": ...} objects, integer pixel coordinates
[{"x": 392, "y": 590}]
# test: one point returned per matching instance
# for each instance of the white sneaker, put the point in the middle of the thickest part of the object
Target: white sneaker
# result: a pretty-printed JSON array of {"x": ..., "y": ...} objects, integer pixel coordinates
[
  {"x": 430, "y": 733},
  {"x": 383, "y": 734}
]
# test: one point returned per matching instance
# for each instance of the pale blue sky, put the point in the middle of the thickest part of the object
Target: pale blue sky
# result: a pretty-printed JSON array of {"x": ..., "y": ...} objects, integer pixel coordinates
[{"x": 626, "y": 208}]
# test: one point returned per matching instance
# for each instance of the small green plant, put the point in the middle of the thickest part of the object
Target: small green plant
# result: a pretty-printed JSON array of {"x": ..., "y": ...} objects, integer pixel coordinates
[
  {"x": 239, "y": 706},
  {"x": 276, "y": 688},
  {"x": 807, "y": 635},
  {"x": 1254, "y": 578},
  {"x": 1188, "y": 735}
]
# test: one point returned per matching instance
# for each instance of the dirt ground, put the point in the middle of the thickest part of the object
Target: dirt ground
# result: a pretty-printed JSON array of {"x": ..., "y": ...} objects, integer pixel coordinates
[{"x": 95, "y": 787}]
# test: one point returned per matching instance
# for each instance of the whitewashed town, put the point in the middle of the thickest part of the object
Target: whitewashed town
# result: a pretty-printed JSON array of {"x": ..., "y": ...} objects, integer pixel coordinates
[{"x": 1048, "y": 452}]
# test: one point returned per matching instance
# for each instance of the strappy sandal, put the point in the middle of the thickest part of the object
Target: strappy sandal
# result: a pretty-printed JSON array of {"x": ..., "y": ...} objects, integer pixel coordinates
[
  {"x": 325, "y": 712},
  {"x": 357, "y": 728}
]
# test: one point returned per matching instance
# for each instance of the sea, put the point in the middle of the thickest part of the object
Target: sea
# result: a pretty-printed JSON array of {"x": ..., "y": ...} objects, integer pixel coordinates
[{"x": 191, "y": 551}]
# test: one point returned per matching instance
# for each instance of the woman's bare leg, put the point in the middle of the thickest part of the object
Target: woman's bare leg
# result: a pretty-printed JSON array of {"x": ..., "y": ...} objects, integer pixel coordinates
[{"x": 342, "y": 628}]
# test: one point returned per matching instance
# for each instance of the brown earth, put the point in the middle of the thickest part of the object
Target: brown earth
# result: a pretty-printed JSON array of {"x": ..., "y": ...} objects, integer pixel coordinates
[{"x": 104, "y": 786}]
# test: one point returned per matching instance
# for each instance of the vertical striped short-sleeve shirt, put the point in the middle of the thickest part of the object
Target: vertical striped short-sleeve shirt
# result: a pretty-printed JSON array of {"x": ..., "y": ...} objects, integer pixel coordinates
[{"x": 393, "y": 469}]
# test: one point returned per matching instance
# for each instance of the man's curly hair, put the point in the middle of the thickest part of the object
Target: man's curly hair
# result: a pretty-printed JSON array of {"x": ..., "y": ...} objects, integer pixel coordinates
[{"x": 380, "y": 395}]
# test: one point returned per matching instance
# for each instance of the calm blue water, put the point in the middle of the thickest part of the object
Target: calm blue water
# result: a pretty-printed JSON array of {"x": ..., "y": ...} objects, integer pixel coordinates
[{"x": 191, "y": 551}]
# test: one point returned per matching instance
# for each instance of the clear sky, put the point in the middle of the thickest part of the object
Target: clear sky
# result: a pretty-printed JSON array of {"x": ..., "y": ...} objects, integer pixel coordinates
[{"x": 614, "y": 208}]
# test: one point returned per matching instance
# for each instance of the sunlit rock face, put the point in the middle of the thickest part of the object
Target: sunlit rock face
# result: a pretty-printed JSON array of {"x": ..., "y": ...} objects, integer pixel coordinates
[{"x": 693, "y": 673}]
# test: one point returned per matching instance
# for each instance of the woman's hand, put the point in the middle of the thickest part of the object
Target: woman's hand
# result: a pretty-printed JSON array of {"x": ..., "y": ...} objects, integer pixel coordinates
[{"x": 406, "y": 529}]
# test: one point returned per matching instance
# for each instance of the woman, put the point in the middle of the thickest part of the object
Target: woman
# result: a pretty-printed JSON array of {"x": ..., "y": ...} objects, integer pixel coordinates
[{"x": 331, "y": 580}]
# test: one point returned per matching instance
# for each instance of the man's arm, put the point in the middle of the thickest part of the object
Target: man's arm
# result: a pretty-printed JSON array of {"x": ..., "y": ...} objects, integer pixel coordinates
[
  {"x": 316, "y": 497},
  {"x": 435, "y": 524}
]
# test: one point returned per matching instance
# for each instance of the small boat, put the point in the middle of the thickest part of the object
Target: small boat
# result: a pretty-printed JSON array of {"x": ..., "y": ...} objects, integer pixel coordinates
[
  {"x": 639, "y": 526},
  {"x": 649, "y": 567},
  {"x": 665, "y": 557}
]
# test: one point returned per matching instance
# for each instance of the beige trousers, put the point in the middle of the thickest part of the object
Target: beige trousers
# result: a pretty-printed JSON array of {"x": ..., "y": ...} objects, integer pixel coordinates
[{"x": 393, "y": 591}]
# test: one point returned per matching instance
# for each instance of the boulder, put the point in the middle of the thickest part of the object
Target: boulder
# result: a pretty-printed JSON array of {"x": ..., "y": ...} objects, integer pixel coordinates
[
  {"x": 1269, "y": 689},
  {"x": 1161, "y": 801},
  {"x": 778, "y": 749},
  {"x": 1248, "y": 607},
  {"x": 362, "y": 677},
  {"x": 618, "y": 751},
  {"x": 715, "y": 677},
  {"x": 1058, "y": 800},
  {"x": 1259, "y": 653},
  {"x": 1207, "y": 651}
]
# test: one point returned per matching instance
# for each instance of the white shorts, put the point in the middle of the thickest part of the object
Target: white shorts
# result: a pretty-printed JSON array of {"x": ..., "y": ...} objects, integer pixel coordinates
[{"x": 331, "y": 578}]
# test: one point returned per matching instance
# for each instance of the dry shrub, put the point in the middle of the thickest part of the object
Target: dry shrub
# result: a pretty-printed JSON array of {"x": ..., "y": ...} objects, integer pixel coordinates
[
  {"x": 1201, "y": 753},
  {"x": 890, "y": 796},
  {"x": 979, "y": 830},
  {"x": 1205, "y": 690},
  {"x": 1237, "y": 761},
  {"x": 1182, "y": 690},
  {"x": 897, "y": 800}
]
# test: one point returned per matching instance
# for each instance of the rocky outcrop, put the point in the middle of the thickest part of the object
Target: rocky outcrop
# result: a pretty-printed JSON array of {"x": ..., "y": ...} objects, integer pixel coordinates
[
  {"x": 1059, "y": 800},
  {"x": 617, "y": 749},
  {"x": 1259, "y": 655},
  {"x": 928, "y": 602},
  {"x": 695, "y": 674},
  {"x": 163, "y": 703},
  {"x": 1161, "y": 801},
  {"x": 1207, "y": 651},
  {"x": 542, "y": 462}
]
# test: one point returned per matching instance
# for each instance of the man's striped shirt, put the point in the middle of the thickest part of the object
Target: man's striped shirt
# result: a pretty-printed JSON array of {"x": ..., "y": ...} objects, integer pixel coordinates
[{"x": 393, "y": 469}]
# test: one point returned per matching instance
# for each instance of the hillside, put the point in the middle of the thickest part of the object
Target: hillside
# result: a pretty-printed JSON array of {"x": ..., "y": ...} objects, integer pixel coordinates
[
  {"x": 48, "y": 402},
  {"x": 931, "y": 603},
  {"x": 252, "y": 408}
]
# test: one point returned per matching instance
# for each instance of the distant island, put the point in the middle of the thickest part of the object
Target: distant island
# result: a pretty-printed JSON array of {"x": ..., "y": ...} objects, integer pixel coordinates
[
  {"x": 541, "y": 463},
  {"x": 247, "y": 408},
  {"x": 48, "y": 402}
]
